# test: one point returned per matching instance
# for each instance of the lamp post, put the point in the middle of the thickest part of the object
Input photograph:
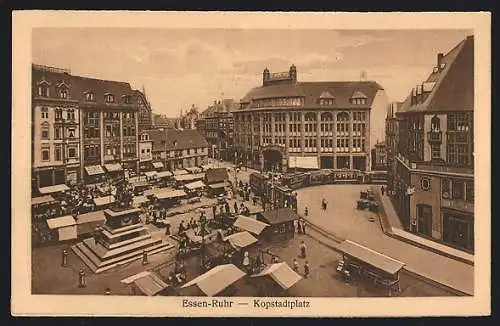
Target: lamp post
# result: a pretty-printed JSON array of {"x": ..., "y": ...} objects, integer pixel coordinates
[{"x": 203, "y": 223}]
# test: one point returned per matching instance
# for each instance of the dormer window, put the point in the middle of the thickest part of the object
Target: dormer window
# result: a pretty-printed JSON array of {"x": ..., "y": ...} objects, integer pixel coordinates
[
  {"x": 43, "y": 90},
  {"x": 358, "y": 98},
  {"x": 89, "y": 96},
  {"x": 63, "y": 93},
  {"x": 435, "y": 124},
  {"x": 126, "y": 99},
  {"x": 109, "y": 98}
]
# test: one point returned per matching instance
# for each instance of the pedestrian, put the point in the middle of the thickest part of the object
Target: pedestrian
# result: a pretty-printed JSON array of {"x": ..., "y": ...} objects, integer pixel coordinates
[
  {"x": 299, "y": 226},
  {"x": 306, "y": 211},
  {"x": 306, "y": 269},
  {"x": 246, "y": 262},
  {"x": 303, "y": 227},
  {"x": 303, "y": 249},
  {"x": 145, "y": 257},
  {"x": 214, "y": 211},
  {"x": 107, "y": 291},
  {"x": 64, "y": 262},
  {"x": 295, "y": 265},
  {"x": 242, "y": 208},
  {"x": 82, "y": 282},
  {"x": 382, "y": 189},
  {"x": 235, "y": 207},
  {"x": 226, "y": 206},
  {"x": 167, "y": 227}
]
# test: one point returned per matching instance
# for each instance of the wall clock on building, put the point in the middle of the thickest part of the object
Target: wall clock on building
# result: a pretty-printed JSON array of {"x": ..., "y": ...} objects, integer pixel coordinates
[{"x": 425, "y": 183}]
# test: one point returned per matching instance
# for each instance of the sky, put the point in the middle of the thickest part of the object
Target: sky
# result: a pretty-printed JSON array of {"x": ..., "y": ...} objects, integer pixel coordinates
[{"x": 181, "y": 67}]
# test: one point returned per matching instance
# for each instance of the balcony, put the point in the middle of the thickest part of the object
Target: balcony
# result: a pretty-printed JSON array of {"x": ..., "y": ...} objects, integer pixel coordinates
[{"x": 434, "y": 136}]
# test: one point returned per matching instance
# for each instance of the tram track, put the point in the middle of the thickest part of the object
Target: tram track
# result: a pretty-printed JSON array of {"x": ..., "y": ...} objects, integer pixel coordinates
[{"x": 331, "y": 241}]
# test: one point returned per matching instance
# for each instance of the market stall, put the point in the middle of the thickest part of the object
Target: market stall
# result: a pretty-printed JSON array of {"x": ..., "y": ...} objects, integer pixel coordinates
[
  {"x": 218, "y": 281},
  {"x": 276, "y": 280},
  {"x": 158, "y": 165},
  {"x": 53, "y": 189},
  {"x": 194, "y": 170},
  {"x": 249, "y": 224},
  {"x": 179, "y": 172},
  {"x": 139, "y": 201},
  {"x": 88, "y": 222},
  {"x": 104, "y": 202},
  {"x": 217, "y": 189},
  {"x": 281, "y": 223},
  {"x": 94, "y": 173},
  {"x": 189, "y": 177},
  {"x": 64, "y": 227}
]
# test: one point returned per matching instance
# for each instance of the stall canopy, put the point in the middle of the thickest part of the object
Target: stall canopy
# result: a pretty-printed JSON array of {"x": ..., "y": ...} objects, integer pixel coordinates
[
  {"x": 189, "y": 177},
  {"x": 194, "y": 170},
  {"x": 217, "y": 185},
  {"x": 164, "y": 174},
  {"x": 139, "y": 200},
  {"x": 371, "y": 257},
  {"x": 65, "y": 226},
  {"x": 150, "y": 174},
  {"x": 180, "y": 172},
  {"x": 170, "y": 194},
  {"x": 101, "y": 201},
  {"x": 282, "y": 274},
  {"x": 53, "y": 189},
  {"x": 250, "y": 224},
  {"x": 217, "y": 279},
  {"x": 154, "y": 191},
  {"x": 150, "y": 284},
  {"x": 114, "y": 167},
  {"x": 42, "y": 200},
  {"x": 158, "y": 165},
  {"x": 305, "y": 162},
  {"x": 241, "y": 240},
  {"x": 279, "y": 216},
  {"x": 216, "y": 175},
  {"x": 195, "y": 185},
  {"x": 94, "y": 170},
  {"x": 140, "y": 183},
  {"x": 88, "y": 222}
]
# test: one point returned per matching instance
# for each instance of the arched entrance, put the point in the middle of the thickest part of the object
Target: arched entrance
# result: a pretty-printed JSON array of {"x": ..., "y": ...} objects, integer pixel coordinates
[{"x": 273, "y": 159}]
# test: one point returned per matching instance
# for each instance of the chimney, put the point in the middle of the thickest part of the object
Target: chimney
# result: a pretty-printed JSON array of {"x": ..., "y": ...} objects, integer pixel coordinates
[
  {"x": 265, "y": 77},
  {"x": 439, "y": 60}
]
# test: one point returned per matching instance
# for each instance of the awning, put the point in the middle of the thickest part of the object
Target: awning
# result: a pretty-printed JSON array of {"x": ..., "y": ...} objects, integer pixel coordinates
[
  {"x": 141, "y": 183},
  {"x": 88, "y": 222},
  {"x": 150, "y": 174},
  {"x": 150, "y": 284},
  {"x": 170, "y": 194},
  {"x": 115, "y": 167},
  {"x": 282, "y": 274},
  {"x": 180, "y": 172},
  {"x": 158, "y": 165},
  {"x": 53, "y": 189},
  {"x": 154, "y": 191},
  {"x": 60, "y": 222},
  {"x": 371, "y": 257},
  {"x": 217, "y": 185},
  {"x": 94, "y": 169},
  {"x": 163, "y": 174},
  {"x": 42, "y": 200},
  {"x": 241, "y": 240},
  {"x": 192, "y": 236},
  {"x": 189, "y": 177},
  {"x": 101, "y": 201},
  {"x": 195, "y": 185},
  {"x": 250, "y": 224},
  {"x": 217, "y": 279},
  {"x": 139, "y": 200},
  {"x": 304, "y": 162},
  {"x": 193, "y": 170}
]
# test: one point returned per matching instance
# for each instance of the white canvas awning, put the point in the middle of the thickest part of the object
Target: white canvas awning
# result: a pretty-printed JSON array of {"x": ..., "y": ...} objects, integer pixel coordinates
[
  {"x": 250, "y": 224},
  {"x": 180, "y": 172},
  {"x": 189, "y": 177},
  {"x": 139, "y": 200},
  {"x": 217, "y": 185},
  {"x": 195, "y": 185},
  {"x": 241, "y": 240},
  {"x": 101, "y": 201},
  {"x": 158, "y": 165},
  {"x": 53, "y": 189},
  {"x": 150, "y": 174},
  {"x": 282, "y": 274},
  {"x": 94, "y": 170},
  {"x": 115, "y": 167},
  {"x": 60, "y": 222},
  {"x": 42, "y": 200},
  {"x": 217, "y": 279},
  {"x": 170, "y": 194},
  {"x": 163, "y": 174}
]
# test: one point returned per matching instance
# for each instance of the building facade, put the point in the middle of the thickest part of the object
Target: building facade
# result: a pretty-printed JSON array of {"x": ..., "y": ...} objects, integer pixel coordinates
[
  {"x": 178, "y": 149},
  {"x": 380, "y": 157},
  {"x": 434, "y": 180},
  {"x": 290, "y": 124},
  {"x": 80, "y": 126},
  {"x": 216, "y": 124},
  {"x": 145, "y": 151},
  {"x": 55, "y": 128},
  {"x": 391, "y": 141},
  {"x": 145, "y": 111},
  {"x": 188, "y": 120}
]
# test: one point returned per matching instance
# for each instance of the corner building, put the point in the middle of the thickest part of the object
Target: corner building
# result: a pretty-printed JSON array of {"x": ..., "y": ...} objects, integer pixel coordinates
[
  {"x": 290, "y": 124},
  {"x": 434, "y": 181}
]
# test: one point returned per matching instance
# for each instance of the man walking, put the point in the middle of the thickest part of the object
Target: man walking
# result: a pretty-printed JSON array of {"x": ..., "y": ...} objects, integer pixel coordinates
[
  {"x": 306, "y": 269},
  {"x": 295, "y": 265},
  {"x": 303, "y": 249}
]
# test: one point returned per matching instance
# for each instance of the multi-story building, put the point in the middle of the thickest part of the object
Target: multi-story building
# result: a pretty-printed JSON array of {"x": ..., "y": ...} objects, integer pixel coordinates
[
  {"x": 145, "y": 111},
  {"x": 145, "y": 151},
  {"x": 161, "y": 121},
  {"x": 391, "y": 141},
  {"x": 81, "y": 124},
  {"x": 435, "y": 161},
  {"x": 286, "y": 123},
  {"x": 188, "y": 120},
  {"x": 216, "y": 124},
  {"x": 177, "y": 149},
  {"x": 380, "y": 157},
  {"x": 55, "y": 127}
]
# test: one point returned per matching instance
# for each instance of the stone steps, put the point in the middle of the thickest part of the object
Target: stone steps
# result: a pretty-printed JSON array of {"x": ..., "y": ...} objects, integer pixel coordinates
[
  {"x": 104, "y": 253},
  {"x": 111, "y": 235}
]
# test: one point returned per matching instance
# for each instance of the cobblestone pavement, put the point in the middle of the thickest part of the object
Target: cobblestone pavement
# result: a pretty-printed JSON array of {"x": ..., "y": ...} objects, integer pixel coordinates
[{"x": 344, "y": 220}]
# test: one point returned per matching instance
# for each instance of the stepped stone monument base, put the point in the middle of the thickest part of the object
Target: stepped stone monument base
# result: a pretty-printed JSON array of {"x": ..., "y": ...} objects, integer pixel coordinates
[{"x": 121, "y": 240}]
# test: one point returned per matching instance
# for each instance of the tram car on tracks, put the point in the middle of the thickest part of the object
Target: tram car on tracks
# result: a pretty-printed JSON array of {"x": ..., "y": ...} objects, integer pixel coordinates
[
  {"x": 258, "y": 183},
  {"x": 376, "y": 177}
]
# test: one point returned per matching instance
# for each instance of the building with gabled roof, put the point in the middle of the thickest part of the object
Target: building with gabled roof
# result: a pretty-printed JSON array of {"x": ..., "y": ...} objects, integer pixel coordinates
[
  {"x": 286, "y": 123},
  {"x": 434, "y": 179}
]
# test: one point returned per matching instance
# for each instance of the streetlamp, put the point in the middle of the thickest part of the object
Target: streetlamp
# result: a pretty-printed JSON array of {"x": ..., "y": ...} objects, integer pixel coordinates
[{"x": 203, "y": 223}]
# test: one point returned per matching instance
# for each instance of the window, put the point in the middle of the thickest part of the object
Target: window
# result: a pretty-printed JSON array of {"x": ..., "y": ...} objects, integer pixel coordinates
[
  {"x": 71, "y": 114},
  {"x": 57, "y": 132},
  {"x": 126, "y": 99},
  {"x": 71, "y": 132},
  {"x": 43, "y": 90},
  {"x": 45, "y": 154},
  {"x": 435, "y": 124},
  {"x": 435, "y": 151},
  {"x": 109, "y": 98},
  {"x": 58, "y": 114},
  {"x": 108, "y": 131},
  {"x": 469, "y": 191},
  {"x": 458, "y": 189},
  {"x": 63, "y": 93},
  {"x": 72, "y": 152},
  {"x": 45, "y": 113},
  {"x": 89, "y": 96},
  {"x": 58, "y": 153},
  {"x": 445, "y": 188},
  {"x": 44, "y": 133}
]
